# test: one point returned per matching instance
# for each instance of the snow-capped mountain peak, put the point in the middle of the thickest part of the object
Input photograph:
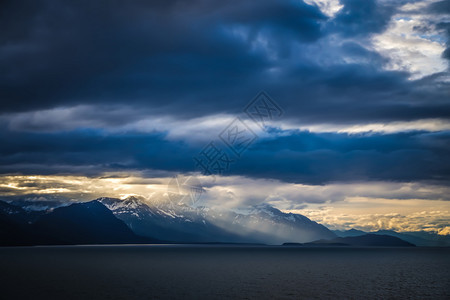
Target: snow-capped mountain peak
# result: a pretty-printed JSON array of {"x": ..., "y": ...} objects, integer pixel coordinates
[{"x": 261, "y": 223}]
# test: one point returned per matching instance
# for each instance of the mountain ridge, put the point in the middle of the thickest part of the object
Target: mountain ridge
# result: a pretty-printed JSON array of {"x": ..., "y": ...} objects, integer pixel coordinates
[
  {"x": 365, "y": 240},
  {"x": 142, "y": 222},
  {"x": 262, "y": 224}
]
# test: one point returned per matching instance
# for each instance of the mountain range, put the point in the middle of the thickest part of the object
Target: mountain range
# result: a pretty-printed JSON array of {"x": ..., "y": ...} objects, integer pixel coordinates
[
  {"x": 132, "y": 220},
  {"x": 182, "y": 223},
  {"x": 111, "y": 220}
]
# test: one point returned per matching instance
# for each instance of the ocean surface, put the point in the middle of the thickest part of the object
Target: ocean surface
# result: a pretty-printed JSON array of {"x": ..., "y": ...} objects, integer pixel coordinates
[{"x": 223, "y": 272}]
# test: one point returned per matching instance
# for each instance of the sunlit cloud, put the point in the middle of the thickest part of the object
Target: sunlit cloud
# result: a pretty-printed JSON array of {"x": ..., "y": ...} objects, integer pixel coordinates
[
  {"x": 328, "y": 7},
  {"x": 81, "y": 188},
  {"x": 444, "y": 231},
  {"x": 412, "y": 43},
  {"x": 401, "y": 216},
  {"x": 366, "y": 205},
  {"x": 116, "y": 120},
  {"x": 122, "y": 119},
  {"x": 429, "y": 125}
]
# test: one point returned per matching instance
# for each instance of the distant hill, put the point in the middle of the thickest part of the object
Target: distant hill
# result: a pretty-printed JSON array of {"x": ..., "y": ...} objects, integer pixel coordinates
[
  {"x": 364, "y": 240},
  {"x": 420, "y": 238}
]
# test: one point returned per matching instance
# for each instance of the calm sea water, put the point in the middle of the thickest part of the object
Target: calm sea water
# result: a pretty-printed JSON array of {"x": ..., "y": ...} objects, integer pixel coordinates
[{"x": 217, "y": 272}]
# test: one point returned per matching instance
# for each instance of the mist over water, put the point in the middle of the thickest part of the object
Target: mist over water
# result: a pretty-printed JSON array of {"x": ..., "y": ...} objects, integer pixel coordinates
[{"x": 216, "y": 272}]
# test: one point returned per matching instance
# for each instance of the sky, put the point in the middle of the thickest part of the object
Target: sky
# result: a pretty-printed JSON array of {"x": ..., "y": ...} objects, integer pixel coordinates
[{"x": 335, "y": 109}]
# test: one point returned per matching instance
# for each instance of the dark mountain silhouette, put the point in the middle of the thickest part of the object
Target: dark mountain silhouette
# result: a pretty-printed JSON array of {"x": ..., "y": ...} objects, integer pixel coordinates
[
  {"x": 16, "y": 228},
  {"x": 364, "y": 240},
  {"x": 87, "y": 223},
  {"x": 79, "y": 223},
  {"x": 420, "y": 238}
]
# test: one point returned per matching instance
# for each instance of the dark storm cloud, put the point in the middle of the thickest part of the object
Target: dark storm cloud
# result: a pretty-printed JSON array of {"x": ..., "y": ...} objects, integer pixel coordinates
[
  {"x": 194, "y": 58},
  {"x": 363, "y": 17},
  {"x": 321, "y": 158},
  {"x": 445, "y": 26},
  {"x": 59, "y": 53},
  {"x": 442, "y": 8},
  {"x": 128, "y": 59},
  {"x": 300, "y": 157}
]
